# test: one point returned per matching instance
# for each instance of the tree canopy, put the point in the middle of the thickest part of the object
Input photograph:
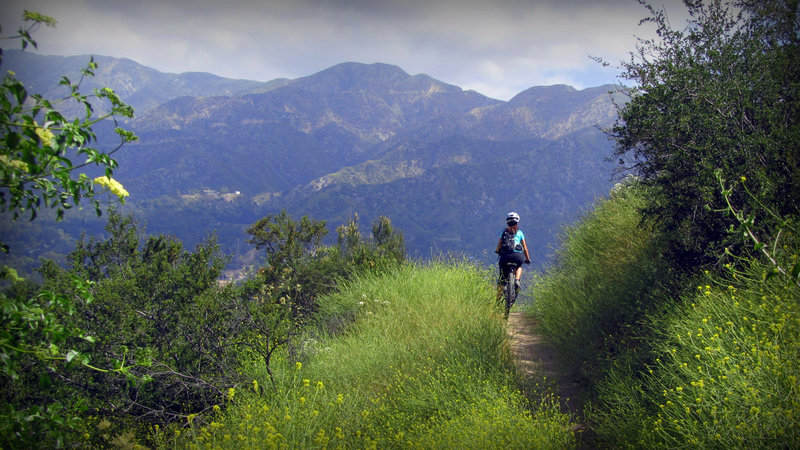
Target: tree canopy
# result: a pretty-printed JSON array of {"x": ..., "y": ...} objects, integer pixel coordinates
[{"x": 720, "y": 95}]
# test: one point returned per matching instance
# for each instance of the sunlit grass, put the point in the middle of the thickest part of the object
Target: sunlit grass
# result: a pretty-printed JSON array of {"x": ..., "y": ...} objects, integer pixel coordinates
[
  {"x": 606, "y": 273},
  {"x": 419, "y": 358},
  {"x": 715, "y": 366},
  {"x": 726, "y": 374}
]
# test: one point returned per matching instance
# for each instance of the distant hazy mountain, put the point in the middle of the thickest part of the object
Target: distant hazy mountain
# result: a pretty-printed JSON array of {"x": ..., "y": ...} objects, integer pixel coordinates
[
  {"x": 443, "y": 163},
  {"x": 138, "y": 85}
]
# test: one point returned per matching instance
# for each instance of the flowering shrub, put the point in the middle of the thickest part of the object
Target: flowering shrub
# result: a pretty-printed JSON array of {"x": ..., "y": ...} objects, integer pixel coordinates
[
  {"x": 42, "y": 154},
  {"x": 725, "y": 372}
]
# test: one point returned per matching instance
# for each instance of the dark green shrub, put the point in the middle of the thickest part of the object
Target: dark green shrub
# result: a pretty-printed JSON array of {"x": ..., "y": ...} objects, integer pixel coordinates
[{"x": 721, "y": 93}]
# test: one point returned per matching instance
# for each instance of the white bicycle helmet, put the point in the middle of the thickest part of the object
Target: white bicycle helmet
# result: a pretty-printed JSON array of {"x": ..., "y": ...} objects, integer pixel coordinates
[{"x": 512, "y": 218}]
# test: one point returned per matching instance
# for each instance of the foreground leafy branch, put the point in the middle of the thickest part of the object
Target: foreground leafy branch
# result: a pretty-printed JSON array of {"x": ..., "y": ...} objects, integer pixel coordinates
[
  {"x": 42, "y": 153},
  {"x": 746, "y": 227}
]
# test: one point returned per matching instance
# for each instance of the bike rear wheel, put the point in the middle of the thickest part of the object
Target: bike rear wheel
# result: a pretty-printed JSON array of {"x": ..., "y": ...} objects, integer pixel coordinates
[{"x": 509, "y": 291}]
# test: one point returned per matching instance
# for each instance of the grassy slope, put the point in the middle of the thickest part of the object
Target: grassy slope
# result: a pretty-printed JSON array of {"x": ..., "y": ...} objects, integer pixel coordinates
[
  {"x": 716, "y": 366},
  {"x": 420, "y": 359}
]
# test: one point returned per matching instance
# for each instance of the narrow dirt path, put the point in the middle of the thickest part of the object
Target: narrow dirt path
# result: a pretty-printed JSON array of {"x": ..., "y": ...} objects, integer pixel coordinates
[{"x": 541, "y": 369}]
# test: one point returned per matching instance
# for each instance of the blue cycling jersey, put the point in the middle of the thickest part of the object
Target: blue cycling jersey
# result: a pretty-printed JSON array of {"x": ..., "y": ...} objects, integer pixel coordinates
[{"x": 518, "y": 238}]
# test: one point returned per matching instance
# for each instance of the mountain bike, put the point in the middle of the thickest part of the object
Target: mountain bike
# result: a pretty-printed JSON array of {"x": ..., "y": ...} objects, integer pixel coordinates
[{"x": 506, "y": 280}]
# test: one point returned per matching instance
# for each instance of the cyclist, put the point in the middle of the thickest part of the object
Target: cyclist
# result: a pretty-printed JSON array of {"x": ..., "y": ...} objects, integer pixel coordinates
[{"x": 519, "y": 253}]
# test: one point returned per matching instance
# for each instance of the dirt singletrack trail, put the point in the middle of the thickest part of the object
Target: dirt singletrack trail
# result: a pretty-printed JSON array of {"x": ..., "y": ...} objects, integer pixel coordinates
[{"x": 540, "y": 368}]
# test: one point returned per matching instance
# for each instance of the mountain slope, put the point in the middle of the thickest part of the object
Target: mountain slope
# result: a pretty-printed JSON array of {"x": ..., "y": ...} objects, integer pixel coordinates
[
  {"x": 138, "y": 85},
  {"x": 288, "y": 136},
  {"x": 443, "y": 163}
]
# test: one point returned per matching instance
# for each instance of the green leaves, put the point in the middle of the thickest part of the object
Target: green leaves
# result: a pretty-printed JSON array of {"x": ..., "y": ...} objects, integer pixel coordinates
[
  {"x": 714, "y": 95},
  {"x": 33, "y": 329},
  {"x": 747, "y": 230},
  {"x": 41, "y": 148},
  {"x": 41, "y": 155}
]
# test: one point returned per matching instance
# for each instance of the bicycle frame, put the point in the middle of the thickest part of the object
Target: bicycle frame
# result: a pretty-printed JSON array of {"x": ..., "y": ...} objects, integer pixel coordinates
[{"x": 507, "y": 281}]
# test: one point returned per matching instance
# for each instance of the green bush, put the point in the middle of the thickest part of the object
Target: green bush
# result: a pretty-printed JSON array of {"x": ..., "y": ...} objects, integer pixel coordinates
[
  {"x": 158, "y": 310},
  {"x": 713, "y": 365},
  {"x": 608, "y": 275},
  {"x": 158, "y": 316},
  {"x": 718, "y": 93},
  {"x": 423, "y": 362},
  {"x": 299, "y": 268}
]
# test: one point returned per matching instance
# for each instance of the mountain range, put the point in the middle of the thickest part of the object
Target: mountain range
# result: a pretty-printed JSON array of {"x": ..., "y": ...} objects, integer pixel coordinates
[{"x": 444, "y": 164}]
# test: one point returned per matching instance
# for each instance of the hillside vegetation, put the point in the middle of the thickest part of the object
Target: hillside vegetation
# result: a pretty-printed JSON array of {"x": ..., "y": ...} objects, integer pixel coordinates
[
  {"x": 413, "y": 358},
  {"x": 710, "y": 361},
  {"x": 678, "y": 297},
  {"x": 135, "y": 339}
]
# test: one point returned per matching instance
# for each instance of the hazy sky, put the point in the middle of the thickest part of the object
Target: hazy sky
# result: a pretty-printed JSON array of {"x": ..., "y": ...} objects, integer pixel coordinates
[{"x": 496, "y": 47}]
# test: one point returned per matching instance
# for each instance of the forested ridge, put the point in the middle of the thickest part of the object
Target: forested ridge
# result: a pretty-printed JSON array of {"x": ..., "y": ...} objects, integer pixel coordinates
[{"x": 675, "y": 298}]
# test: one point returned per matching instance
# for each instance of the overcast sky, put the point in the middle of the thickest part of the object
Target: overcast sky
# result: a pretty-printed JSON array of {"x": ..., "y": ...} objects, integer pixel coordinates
[{"x": 496, "y": 47}]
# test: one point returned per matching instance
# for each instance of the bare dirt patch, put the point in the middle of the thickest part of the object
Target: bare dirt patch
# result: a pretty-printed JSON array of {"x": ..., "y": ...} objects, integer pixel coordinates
[{"x": 542, "y": 371}]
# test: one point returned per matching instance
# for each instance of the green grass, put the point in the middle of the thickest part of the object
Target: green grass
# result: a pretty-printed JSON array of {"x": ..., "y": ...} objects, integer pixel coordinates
[
  {"x": 713, "y": 366},
  {"x": 419, "y": 358},
  {"x": 606, "y": 276},
  {"x": 725, "y": 371}
]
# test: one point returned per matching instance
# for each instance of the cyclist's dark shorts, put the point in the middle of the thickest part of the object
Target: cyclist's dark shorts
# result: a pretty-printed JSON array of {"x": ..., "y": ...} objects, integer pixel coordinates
[{"x": 517, "y": 258}]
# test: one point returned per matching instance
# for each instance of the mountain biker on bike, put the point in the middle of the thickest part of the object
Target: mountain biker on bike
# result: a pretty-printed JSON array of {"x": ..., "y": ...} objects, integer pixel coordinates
[{"x": 518, "y": 254}]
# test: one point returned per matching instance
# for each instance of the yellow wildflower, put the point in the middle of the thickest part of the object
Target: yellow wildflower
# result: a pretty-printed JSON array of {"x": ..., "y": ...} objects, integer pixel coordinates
[
  {"x": 46, "y": 136},
  {"x": 14, "y": 163},
  {"x": 113, "y": 185}
]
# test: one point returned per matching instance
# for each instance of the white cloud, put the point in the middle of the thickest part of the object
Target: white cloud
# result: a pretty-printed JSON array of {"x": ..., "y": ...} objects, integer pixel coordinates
[{"x": 497, "y": 47}]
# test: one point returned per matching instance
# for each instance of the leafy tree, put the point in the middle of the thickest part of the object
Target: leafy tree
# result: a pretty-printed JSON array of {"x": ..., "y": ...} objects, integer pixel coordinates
[
  {"x": 300, "y": 269},
  {"x": 41, "y": 157},
  {"x": 720, "y": 94},
  {"x": 389, "y": 242},
  {"x": 386, "y": 247},
  {"x": 298, "y": 262},
  {"x": 158, "y": 308},
  {"x": 42, "y": 151},
  {"x": 286, "y": 242}
]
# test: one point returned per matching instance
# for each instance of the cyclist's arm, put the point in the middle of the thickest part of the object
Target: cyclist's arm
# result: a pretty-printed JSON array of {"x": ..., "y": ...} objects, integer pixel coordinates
[
  {"x": 499, "y": 242},
  {"x": 525, "y": 250}
]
